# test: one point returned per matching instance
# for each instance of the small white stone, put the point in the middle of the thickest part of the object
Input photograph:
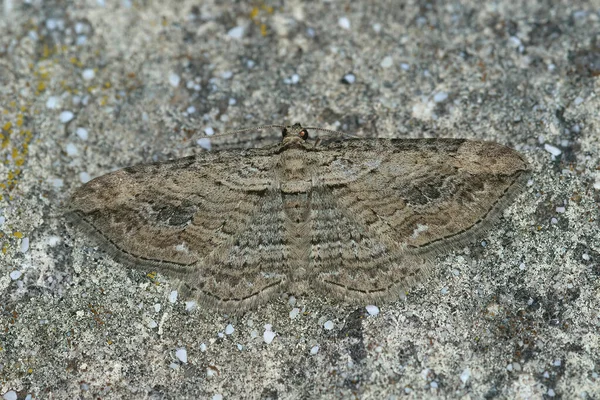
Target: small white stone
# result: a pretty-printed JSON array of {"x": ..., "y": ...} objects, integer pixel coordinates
[
  {"x": 268, "y": 336},
  {"x": 522, "y": 267},
  {"x": 349, "y": 78},
  {"x": 84, "y": 177},
  {"x": 444, "y": 290},
  {"x": 229, "y": 329},
  {"x": 585, "y": 256},
  {"x": 52, "y": 103},
  {"x": 82, "y": 133},
  {"x": 434, "y": 385},
  {"x": 66, "y": 116},
  {"x": 203, "y": 347},
  {"x": 344, "y": 23},
  {"x": 14, "y": 275},
  {"x": 217, "y": 396},
  {"x": 509, "y": 367},
  {"x": 377, "y": 27},
  {"x": 191, "y": 110},
  {"x": 440, "y": 97},
  {"x": 387, "y": 62},
  {"x": 294, "y": 313},
  {"x": 226, "y": 75},
  {"x": 295, "y": 79},
  {"x": 405, "y": 66},
  {"x": 209, "y": 131},
  {"x": 174, "y": 79},
  {"x": 10, "y": 395},
  {"x": 236, "y": 33},
  {"x": 157, "y": 307},
  {"x": 173, "y": 296},
  {"x": 560, "y": 210},
  {"x": 88, "y": 74},
  {"x": 465, "y": 375},
  {"x": 328, "y": 325},
  {"x": 578, "y": 100},
  {"x": 71, "y": 149},
  {"x": 53, "y": 241},
  {"x": 181, "y": 354},
  {"x": 557, "y": 363},
  {"x": 372, "y": 310},
  {"x": 232, "y": 101},
  {"x": 292, "y": 301},
  {"x": 197, "y": 87},
  {"x": 204, "y": 143},
  {"x": 57, "y": 182},
  {"x": 314, "y": 350},
  {"x": 554, "y": 221},
  {"x": 555, "y": 151},
  {"x": 24, "y": 245},
  {"x": 551, "y": 393},
  {"x": 190, "y": 305},
  {"x": 152, "y": 324}
]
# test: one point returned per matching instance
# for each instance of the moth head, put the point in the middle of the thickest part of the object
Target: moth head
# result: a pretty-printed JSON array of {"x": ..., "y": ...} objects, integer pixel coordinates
[{"x": 295, "y": 130}]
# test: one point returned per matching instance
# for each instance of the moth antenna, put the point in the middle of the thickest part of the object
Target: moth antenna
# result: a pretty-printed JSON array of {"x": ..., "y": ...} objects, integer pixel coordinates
[{"x": 340, "y": 133}]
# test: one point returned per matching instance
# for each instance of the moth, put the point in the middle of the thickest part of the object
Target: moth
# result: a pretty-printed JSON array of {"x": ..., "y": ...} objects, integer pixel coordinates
[{"x": 358, "y": 219}]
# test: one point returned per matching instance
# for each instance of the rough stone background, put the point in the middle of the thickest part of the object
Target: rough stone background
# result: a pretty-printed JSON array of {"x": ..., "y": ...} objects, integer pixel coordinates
[{"x": 90, "y": 86}]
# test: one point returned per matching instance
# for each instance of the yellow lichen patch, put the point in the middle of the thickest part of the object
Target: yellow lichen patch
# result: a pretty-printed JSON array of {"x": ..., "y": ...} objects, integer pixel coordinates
[
  {"x": 7, "y": 126},
  {"x": 5, "y": 249},
  {"x": 263, "y": 29},
  {"x": 18, "y": 235},
  {"x": 254, "y": 13}
]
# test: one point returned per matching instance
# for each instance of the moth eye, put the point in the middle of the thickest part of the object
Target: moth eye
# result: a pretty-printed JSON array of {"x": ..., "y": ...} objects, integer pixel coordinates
[{"x": 304, "y": 134}]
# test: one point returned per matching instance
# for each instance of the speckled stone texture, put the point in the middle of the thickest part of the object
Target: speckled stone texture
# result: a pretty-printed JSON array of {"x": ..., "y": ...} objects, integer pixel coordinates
[{"x": 89, "y": 87}]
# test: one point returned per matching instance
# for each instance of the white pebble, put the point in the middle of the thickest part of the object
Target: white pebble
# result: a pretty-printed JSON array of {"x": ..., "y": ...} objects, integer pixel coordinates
[
  {"x": 2, "y": 220},
  {"x": 229, "y": 329},
  {"x": 88, "y": 74},
  {"x": 152, "y": 324},
  {"x": 349, "y": 78},
  {"x": 560, "y": 210},
  {"x": 174, "y": 79},
  {"x": 555, "y": 151},
  {"x": 181, "y": 354},
  {"x": 236, "y": 32},
  {"x": 557, "y": 363},
  {"x": 173, "y": 296},
  {"x": 551, "y": 393},
  {"x": 71, "y": 149},
  {"x": 522, "y": 267},
  {"x": 66, "y": 116},
  {"x": 372, "y": 310},
  {"x": 554, "y": 221},
  {"x": 294, "y": 313},
  {"x": 14, "y": 275},
  {"x": 578, "y": 101},
  {"x": 190, "y": 305},
  {"x": 217, "y": 396},
  {"x": 377, "y": 27},
  {"x": 344, "y": 22},
  {"x": 82, "y": 133},
  {"x": 328, "y": 325},
  {"x": 51, "y": 24},
  {"x": 585, "y": 256},
  {"x": 440, "y": 97},
  {"x": 157, "y": 307},
  {"x": 57, "y": 182},
  {"x": 52, "y": 102},
  {"x": 227, "y": 75},
  {"x": 405, "y": 66},
  {"x": 24, "y": 245},
  {"x": 292, "y": 301},
  {"x": 465, "y": 375},
  {"x": 203, "y": 347},
  {"x": 240, "y": 347},
  {"x": 295, "y": 79},
  {"x": 268, "y": 336},
  {"x": 232, "y": 101},
  {"x": 387, "y": 62},
  {"x": 84, "y": 177},
  {"x": 314, "y": 350},
  {"x": 10, "y": 395},
  {"x": 191, "y": 110},
  {"x": 204, "y": 143},
  {"x": 209, "y": 131},
  {"x": 250, "y": 64},
  {"x": 190, "y": 84},
  {"x": 434, "y": 385}
]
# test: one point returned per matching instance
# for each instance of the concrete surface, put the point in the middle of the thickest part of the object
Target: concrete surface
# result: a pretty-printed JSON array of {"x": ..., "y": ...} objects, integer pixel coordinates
[{"x": 90, "y": 86}]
